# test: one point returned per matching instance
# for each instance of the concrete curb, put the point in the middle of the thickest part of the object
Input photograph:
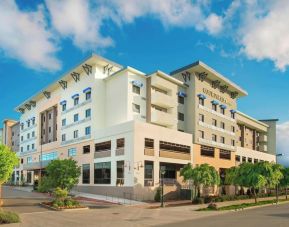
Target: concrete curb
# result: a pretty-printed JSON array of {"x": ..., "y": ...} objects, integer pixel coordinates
[{"x": 61, "y": 209}]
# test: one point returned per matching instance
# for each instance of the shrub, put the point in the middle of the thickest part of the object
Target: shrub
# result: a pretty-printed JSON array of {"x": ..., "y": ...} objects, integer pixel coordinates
[
  {"x": 213, "y": 206},
  {"x": 44, "y": 185},
  {"x": 208, "y": 199},
  {"x": 158, "y": 195},
  {"x": 7, "y": 217},
  {"x": 58, "y": 203},
  {"x": 60, "y": 194},
  {"x": 198, "y": 200}
]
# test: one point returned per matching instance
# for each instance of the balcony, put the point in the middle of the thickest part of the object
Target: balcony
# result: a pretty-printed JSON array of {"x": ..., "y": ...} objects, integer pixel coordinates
[
  {"x": 162, "y": 99},
  {"x": 35, "y": 165},
  {"x": 163, "y": 118},
  {"x": 119, "y": 151},
  {"x": 263, "y": 147},
  {"x": 149, "y": 151},
  {"x": 102, "y": 154},
  {"x": 175, "y": 155},
  {"x": 263, "y": 138}
]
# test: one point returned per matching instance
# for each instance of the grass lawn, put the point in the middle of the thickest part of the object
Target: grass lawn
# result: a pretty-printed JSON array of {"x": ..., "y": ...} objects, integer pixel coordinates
[{"x": 242, "y": 205}]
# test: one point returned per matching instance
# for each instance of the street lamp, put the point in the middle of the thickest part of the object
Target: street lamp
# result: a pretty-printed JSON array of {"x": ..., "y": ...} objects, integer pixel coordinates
[{"x": 162, "y": 171}]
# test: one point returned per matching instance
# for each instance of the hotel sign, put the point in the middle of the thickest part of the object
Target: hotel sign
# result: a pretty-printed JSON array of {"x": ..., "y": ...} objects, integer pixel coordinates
[{"x": 216, "y": 96}]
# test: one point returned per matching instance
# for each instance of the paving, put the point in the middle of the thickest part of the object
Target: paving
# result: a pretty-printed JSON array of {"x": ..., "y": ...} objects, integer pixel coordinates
[{"x": 109, "y": 214}]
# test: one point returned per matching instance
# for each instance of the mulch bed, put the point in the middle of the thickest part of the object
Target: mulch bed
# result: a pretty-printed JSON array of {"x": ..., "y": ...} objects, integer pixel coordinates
[{"x": 49, "y": 206}]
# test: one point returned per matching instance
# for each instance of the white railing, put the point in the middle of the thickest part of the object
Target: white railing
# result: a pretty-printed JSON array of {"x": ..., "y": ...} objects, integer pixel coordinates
[
  {"x": 216, "y": 128},
  {"x": 216, "y": 144},
  {"x": 216, "y": 113}
]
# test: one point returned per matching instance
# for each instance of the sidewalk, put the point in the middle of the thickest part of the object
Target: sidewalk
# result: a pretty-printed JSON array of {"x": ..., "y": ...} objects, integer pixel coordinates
[{"x": 110, "y": 199}]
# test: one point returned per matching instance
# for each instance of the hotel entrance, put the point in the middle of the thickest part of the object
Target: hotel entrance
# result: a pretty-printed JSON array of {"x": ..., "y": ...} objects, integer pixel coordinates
[{"x": 170, "y": 173}]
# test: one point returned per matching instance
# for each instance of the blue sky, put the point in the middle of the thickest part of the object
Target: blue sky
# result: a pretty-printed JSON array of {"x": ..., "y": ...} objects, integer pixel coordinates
[{"x": 247, "y": 41}]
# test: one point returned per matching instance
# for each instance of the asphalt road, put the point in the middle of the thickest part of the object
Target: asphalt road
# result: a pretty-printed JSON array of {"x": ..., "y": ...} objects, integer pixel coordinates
[{"x": 271, "y": 216}]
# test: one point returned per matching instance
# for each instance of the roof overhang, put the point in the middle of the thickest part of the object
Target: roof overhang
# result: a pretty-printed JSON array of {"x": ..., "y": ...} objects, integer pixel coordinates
[
  {"x": 73, "y": 73},
  {"x": 200, "y": 67},
  {"x": 251, "y": 122},
  {"x": 168, "y": 77}
]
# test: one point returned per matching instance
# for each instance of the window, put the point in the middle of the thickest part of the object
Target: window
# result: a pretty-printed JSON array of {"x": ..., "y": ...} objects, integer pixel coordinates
[
  {"x": 33, "y": 121},
  {"x": 86, "y": 149},
  {"x": 214, "y": 137},
  {"x": 28, "y": 135},
  {"x": 222, "y": 139},
  {"x": 174, "y": 147},
  {"x": 22, "y": 126},
  {"x": 75, "y": 117},
  {"x": 233, "y": 115},
  {"x": 207, "y": 151},
  {"x": 135, "y": 89},
  {"x": 159, "y": 108},
  {"x": 149, "y": 173},
  {"x": 29, "y": 160},
  {"x": 232, "y": 128},
  {"x": 28, "y": 147},
  {"x": 76, "y": 101},
  {"x": 225, "y": 154},
  {"x": 214, "y": 107},
  {"x": 86, "y": 173},
  {"x": 21, "y": 138},
  {"x": 12, "y": 133},
  {"x": 102, "y": 173},
  {"x": 49, "y": 129},
  {"x": 159, "y": 90},
  {"x": 63, "y": 137},
  {"x": 32, "y": 146},
  {"x": 222, "y": 125},
  {"x": 119, "y": 172},
  {"x": 21, "y": 160},
  {"x": 63, "y": 107},
  {"x": 201, "y": 117},
  {"x": 63, "y": 122},
  {"x": 201, "y": 101},
  {"x": 214, "y": 122},
  {"x": 223, "y": 111},
  {"x": 120, "y": 143},
  {"x": 255, "y": 160},
  {"x": 238, "y": 158},
  {"x": 75, "y": 134},
  {"x": 33, "y": 134},
  {"x": 87, "y": 113},
  {"x": 233, "y": 142},
  {"x": 103, "y": 146},
  {"x": 49, "y": 156},
  {"x": 181, "y": 100},
  {"x": 49, "y": 116},
  {"x": 243, "y": 159},
  {"x": 135, "y": 108},
  {"x": 149, "y": 143},
  {"x": 21, "y": 149},
  {"x": 201, "y": 134},
  {"x": 71, "y": 152},
  {"x": 250, "y": 160},
  {"x": 87, "y": 130},
  {"x": 181, "y": 116},
  {"x": 28, "y": 124},
  {"x": 88, "y": 95}
]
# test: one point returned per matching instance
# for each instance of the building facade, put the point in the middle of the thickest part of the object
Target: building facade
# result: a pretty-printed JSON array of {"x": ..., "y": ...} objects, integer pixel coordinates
[{"x": 123, "y": 126}]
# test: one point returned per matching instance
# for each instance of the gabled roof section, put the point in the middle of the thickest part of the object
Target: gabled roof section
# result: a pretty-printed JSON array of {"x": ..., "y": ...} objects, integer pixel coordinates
[
  {"x": 74, "y": 72},
  {"x": 213, "y": 75},
  {"x": 167, "y": 77}
]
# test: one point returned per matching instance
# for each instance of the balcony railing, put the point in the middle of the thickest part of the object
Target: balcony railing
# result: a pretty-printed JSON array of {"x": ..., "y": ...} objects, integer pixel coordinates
[
  {"x": 149, "y": 151},
  {"x": 102, "y": 154},
  {"x": 168, "y": 181},
  {"x": 175, "y": 155},
  {"x": 163, "y": 118},
  {"x": 119, "y": 151},
  {"x": 162, "y": 99}
]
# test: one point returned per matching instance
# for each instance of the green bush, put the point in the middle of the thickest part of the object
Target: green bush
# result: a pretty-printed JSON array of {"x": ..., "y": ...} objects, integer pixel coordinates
[
  {"x": 58, "y": 203},
  {"x": 7, "y": 217},
  {"x": 44, "y": 185},
  {"x": 60, "y": 194},
  {"x": 158, "y": 195},
  {"x": 208, "y": 199}
]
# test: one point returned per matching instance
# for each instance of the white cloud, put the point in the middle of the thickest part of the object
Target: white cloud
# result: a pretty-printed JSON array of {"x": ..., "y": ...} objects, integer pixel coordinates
[
  {"x": 283, "y": 143},
  {"x": 213, "y": 24},
  {"x": 23, "y": 36},
  {"x": 264, "y": 31},
  {"x": 80, "y": 21}
]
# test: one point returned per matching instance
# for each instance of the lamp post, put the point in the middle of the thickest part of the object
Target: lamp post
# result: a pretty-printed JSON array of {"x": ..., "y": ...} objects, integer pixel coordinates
[
  {"x": 277, "y": 185},
  {"x": 162, "y": 171}
]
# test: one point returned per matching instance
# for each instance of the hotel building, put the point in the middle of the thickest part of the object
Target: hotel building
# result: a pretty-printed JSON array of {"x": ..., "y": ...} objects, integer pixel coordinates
[{"x": 123, "y": 126}]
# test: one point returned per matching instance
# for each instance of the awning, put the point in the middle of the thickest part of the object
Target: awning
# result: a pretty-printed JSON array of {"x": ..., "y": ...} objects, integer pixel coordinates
[
  {"x": 137, "y": 83},
  {"x": 223, "y": 106},
  {"x": 201, "y": 96},
  {"x": 182, "y": 94},
  {"x": 233, "y": 111},
  {"x": 75, "y": 96},
  {"x": 63, "y": 102},
  {"x": 87, "y": 90},
  {"x": 215, "y": 102}
]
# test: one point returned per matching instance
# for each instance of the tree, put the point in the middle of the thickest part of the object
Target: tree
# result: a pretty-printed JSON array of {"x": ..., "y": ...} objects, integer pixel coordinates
[
  {"x": 284, "y": 182},
  {"x": 62, "y": 173},
  {"x": 232, "y": 176},
  {"x": 202, "y": 175},
  {"x": 8, "y": 160}
]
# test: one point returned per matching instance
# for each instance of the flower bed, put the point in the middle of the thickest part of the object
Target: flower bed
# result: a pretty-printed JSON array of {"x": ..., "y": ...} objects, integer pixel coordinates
[{"x": 60, "y": 205}]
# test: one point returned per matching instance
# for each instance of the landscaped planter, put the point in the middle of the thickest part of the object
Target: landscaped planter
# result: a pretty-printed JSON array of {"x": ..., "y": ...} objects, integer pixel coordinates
[{"x": 49, "y": 205}]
